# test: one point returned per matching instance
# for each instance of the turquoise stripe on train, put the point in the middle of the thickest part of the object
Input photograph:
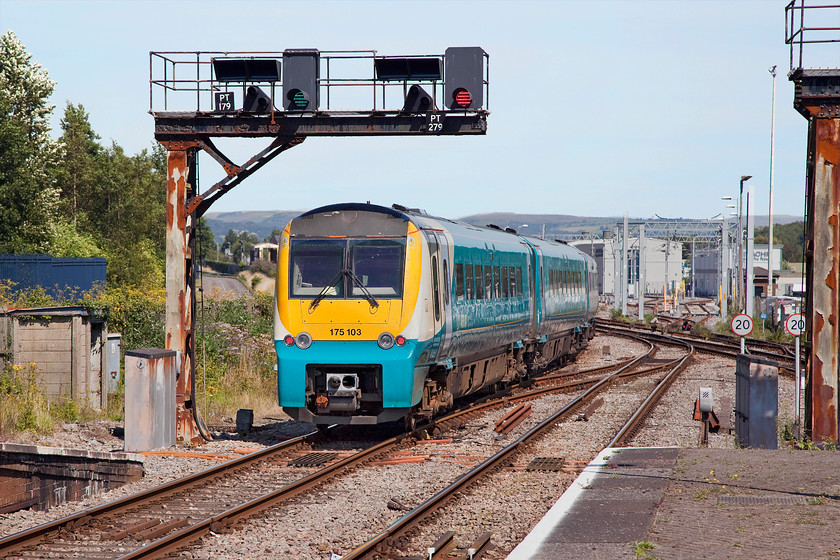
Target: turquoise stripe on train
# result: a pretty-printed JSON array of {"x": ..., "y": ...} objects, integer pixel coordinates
[{"x": 398, "y": 380}]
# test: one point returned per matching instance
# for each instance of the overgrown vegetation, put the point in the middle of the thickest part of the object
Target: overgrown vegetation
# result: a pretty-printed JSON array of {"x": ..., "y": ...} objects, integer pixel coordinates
[{"x": 76, "y": 197}]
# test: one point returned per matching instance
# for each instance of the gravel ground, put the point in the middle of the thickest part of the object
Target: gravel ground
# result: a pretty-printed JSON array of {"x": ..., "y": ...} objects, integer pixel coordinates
[{"x": 342, "y": 515}]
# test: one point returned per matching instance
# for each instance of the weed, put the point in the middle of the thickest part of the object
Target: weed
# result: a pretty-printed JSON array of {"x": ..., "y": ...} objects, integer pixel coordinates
[
  {"x": 817, "y": 501},
  {"x": 703, "y": 494},
  {"x": 643, "y": 550}
]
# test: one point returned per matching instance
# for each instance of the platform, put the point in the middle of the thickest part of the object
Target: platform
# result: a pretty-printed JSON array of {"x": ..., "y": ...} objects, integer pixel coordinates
[{"x": 695, "y": 503}]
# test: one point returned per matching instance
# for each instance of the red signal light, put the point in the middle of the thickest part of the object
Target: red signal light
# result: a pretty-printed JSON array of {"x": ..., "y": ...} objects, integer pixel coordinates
[
  {"x": 462, "y": 97},
  {"x": 289, "y": 340},
  {"x": 400, "y": 340}
]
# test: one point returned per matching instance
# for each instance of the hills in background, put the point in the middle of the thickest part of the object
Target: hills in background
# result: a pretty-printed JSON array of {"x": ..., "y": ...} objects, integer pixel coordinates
[{"x": 556, "y": 225}]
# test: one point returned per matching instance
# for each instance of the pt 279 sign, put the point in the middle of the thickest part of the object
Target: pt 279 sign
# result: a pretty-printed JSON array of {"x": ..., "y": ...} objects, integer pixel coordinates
[{"x": 434, "y": 123}]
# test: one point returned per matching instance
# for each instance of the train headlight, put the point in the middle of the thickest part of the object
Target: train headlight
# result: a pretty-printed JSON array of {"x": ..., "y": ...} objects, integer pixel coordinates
[
  {"x": 289, "y": 340},
  {"x": 400, "y": 340},
  {"x": 303, "y": 341},
  {"x": 385, "y": 340}
]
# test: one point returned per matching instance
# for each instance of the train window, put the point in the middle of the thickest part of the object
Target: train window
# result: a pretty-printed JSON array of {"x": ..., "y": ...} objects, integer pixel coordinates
[
  {"x": 378, "y": 265},
  {"x": 513, "y": 291},
  {"x": 479, "y": 281},
  {"x": 488, "y": 281},
  {"x": 446, "y": 283},
  {"x": 497, "y": 281},
  {"x": 468, "y": 277},
  {"x": 519, "y": 281},
  {"x": 435, "y": 288},
  {"x": 505, "y": 281},
  {"x": 315, "y": 266},
  {"x": 459, "y": 281}
]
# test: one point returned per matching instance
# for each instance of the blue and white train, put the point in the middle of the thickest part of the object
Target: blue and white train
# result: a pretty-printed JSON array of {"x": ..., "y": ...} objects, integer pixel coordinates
[{"x": 385, "y": 314}]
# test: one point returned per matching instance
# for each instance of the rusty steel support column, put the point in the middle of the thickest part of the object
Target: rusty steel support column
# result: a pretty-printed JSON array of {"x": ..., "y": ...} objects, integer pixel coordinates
[
  {"x": 180, "y": 281},
  {"x": 817, "y": 98}
]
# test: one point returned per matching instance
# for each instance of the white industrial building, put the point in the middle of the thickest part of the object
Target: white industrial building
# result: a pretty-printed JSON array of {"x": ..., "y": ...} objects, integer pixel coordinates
[
  {"x": 663, "y": 263},
  {"x": 708, "y": 280}
]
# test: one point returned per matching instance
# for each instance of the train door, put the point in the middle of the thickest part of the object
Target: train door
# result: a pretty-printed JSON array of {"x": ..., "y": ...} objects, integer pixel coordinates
[
  {"x": 534, "y": 280},
  {"x": 445, "y": 270},
  {"x": 437, "y": 295}
]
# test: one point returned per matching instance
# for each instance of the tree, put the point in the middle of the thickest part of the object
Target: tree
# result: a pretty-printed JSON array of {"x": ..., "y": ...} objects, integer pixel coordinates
[
  {"x": 205, "y": 241},
  {"x": 28, "y": 196},
  {"x": 77, "y": 174}
]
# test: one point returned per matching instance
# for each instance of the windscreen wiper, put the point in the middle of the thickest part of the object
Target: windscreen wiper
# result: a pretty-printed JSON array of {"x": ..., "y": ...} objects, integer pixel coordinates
[
  {"x": 324, "y": 292},
  {"x": 368, "y": 296}
]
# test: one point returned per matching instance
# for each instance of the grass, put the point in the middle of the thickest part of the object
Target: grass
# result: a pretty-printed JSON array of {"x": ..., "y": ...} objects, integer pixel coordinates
[
  {"x": 235, "y": 360},
  {"x": 27, "y": 408}
]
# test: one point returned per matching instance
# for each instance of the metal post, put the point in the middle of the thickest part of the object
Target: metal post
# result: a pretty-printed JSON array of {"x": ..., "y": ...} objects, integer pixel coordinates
[
  {"x": 749, "y": 293},
  {"x": 640, "y": 285},
  {"x": 796, "y": 397},
  {"x": 692, "y": 267},
  {"x": 624, "y": 275},
  {"x": 741, "y": 288},
  {"x": 179, "y": 305},
  {"x": 616, "y": 271},
  {"x": 771, "y": 291}
]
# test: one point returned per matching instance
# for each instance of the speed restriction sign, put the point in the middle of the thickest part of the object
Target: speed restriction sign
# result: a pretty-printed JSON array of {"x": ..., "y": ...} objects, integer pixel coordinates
[
  {"x": 742, "y": 324},
  {"x": 795, "y": 324}
]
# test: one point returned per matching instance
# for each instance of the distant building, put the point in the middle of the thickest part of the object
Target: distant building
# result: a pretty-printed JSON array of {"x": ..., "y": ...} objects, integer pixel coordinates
[
  {"x": 663, "y": 263},
  {"x": 265, "y": 252}
]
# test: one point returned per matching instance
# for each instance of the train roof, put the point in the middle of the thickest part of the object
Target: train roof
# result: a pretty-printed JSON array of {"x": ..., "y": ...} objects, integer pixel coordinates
[{"x": 423, "y": 220}]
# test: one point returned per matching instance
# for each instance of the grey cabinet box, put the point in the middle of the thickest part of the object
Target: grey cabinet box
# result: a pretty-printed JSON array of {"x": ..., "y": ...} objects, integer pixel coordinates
[{"x": 756, "y": 402}]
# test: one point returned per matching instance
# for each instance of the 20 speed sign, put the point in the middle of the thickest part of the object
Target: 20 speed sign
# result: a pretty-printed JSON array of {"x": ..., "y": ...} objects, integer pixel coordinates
[
  {"x": 742, "y": 324},
  {"x": 795, "y": 324}
]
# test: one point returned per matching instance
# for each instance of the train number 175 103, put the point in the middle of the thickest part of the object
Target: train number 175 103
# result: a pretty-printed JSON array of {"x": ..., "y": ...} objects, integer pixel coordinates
[{"x": 345, "y": 332}]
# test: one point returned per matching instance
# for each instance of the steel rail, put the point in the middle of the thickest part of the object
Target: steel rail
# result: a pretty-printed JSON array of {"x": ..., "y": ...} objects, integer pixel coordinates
[
  {"x": 730, "y": 350},
  {"x": 650, "y": 402},
  {"x": 28, "y": 537},
  {"x": 174, "y": 541},
  {"x": 415, "y": 515}
]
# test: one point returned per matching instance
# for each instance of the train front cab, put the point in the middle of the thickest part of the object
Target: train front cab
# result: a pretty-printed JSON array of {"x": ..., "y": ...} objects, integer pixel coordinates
[{"x": 347, "y": 285}]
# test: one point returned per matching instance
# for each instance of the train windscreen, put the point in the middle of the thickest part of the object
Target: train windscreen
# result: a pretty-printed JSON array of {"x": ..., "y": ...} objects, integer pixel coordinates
[{"x": 331, "y": 268}]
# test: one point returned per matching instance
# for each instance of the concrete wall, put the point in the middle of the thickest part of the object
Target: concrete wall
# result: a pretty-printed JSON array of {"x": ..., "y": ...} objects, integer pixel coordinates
[{"x": 66, "y": 347}]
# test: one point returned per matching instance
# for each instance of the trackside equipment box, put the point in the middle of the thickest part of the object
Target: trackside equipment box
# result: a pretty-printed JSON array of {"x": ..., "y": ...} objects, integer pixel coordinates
[
  {"x": 149, "y": 398},
  {"x": 756, "y": 402}
]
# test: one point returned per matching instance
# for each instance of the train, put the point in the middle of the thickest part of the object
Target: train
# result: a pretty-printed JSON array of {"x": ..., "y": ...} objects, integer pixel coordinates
[{"x": 388, "y": 314}]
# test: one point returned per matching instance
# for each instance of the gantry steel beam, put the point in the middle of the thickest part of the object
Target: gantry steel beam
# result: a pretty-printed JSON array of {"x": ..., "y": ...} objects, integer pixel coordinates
[{"x": 182, "y": 125}]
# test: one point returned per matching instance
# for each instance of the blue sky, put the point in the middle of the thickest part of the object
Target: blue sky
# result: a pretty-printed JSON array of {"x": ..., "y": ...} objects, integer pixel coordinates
[{"x": 597, "y": 107}]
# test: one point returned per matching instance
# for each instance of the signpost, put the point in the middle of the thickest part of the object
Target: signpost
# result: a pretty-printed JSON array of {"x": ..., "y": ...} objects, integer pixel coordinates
[
  {"x": 742, "y": 325},
  {"x": 795, "y": 325}
]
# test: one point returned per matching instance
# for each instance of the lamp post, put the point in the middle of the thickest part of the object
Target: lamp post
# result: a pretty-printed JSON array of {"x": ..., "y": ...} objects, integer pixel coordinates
[
  {"x": 770, "y": 288},
  {"x": 741, "y": 288}
]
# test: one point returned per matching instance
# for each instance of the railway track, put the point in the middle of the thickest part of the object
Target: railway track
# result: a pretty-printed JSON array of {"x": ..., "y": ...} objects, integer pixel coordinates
[
  {"x": 379, "y": 546},
  {"x": 166, "y": 519},
  {"x": 162, "y": 519},
  {"x": 720, "y": 344}
]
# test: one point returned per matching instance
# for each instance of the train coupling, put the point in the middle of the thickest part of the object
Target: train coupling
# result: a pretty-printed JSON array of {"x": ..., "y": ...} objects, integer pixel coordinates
[{"x": 342, "y": 395}]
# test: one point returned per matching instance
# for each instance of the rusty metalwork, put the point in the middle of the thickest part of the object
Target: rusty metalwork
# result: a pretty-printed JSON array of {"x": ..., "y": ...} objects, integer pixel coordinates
[
  {"x": 174, "y": 126},
  {"x": 817, "y": 98},
  {"x": 187, "y": 80}
]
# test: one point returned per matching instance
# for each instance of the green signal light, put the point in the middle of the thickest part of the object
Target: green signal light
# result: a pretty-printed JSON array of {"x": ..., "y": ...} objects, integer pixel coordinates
[{"x": 298, "y": 99}]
